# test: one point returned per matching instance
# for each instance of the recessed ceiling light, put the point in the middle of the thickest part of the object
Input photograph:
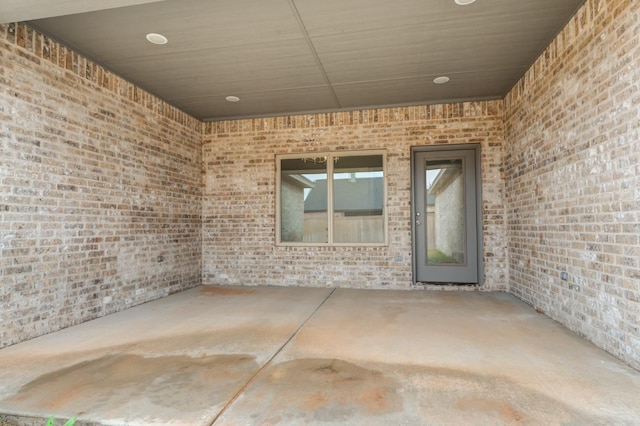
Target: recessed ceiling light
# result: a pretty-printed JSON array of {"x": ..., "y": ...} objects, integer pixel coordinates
[
  {"x": 441, "y": 80},
  {"x": 232, "y": 99},
  {"x": 157, "y": 38},
  {"x": 464, "y": 2}
]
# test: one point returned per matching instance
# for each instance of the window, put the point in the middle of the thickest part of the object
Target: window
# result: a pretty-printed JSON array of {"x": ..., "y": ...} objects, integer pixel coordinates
[{"x": 331, "y": 198}]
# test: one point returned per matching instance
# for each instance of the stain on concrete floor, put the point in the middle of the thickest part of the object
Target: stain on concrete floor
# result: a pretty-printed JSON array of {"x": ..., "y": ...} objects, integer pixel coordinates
[
  {"x": 332, "y": 391},
  {"x": 327, "y": 389},
  {"x": 226, "y": 291},
  {"x": 106, "y": 384}
]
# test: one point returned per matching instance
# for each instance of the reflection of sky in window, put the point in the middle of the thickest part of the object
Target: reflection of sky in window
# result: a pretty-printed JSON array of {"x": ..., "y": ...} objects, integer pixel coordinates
[
  {"x": 319, "y": 176},
  {"x": 431, "y": 176},
  {"x": 316, "y": 176}
]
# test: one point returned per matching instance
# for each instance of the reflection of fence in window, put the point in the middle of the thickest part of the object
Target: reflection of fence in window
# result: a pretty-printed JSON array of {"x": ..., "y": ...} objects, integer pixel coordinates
[
  {"x": 347, "y": 229},
  {"x": 358, "y": 229}
]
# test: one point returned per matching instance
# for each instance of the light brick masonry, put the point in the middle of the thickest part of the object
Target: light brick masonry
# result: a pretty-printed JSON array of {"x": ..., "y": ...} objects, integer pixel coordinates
[
  {"x": 100, "y": 180},
  {"x": 572, "y": 164},
  {"x": 239, "y": 195}
]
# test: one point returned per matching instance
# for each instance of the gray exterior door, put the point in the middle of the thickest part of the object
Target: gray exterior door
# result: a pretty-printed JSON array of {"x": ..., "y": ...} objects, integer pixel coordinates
[{"x": 445, "y": 215}]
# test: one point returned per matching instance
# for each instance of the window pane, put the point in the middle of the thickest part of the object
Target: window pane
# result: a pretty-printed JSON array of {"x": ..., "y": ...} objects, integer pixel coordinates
[
  {"x": 303, "y": 210},
  {"x": 358, "y": 199},
  {"x": 445, "y": 212}
]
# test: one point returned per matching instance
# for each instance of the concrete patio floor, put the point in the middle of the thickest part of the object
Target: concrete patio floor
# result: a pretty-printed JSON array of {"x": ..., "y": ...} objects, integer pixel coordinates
[{"x": 267, "y": 356}]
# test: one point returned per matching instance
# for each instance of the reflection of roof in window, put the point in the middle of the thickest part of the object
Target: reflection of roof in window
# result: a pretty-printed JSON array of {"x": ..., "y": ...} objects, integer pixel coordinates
[
  {"x": 445, "y": 177},
  {"x": 299, "y": 180},
  {"x": 362, "y": 194}
]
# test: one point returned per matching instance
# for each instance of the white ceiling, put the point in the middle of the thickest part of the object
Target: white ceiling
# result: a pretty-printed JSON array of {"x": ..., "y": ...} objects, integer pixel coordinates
[{"x": 292, "y": 56}]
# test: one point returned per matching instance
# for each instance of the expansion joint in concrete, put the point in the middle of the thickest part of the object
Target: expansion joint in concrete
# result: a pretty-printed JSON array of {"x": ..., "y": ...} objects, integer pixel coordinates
[{"x": 270, "y": 360}]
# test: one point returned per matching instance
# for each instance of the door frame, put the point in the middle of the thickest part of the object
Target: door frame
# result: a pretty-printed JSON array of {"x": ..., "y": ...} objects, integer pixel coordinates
[{"x": 479, "y": 221}]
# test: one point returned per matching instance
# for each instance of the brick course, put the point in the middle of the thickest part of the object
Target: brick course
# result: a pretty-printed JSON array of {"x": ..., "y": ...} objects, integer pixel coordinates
[
  {"x": 98, "y": 179},
  {"x": 572, "y": 175}
]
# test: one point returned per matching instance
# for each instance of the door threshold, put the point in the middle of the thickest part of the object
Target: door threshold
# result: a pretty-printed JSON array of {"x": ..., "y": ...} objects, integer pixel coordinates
[{"x": 446, "y": 286}]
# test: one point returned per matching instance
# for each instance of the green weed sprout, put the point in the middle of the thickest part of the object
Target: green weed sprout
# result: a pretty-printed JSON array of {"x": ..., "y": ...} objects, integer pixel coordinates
[{"x": 69, "y": 422}]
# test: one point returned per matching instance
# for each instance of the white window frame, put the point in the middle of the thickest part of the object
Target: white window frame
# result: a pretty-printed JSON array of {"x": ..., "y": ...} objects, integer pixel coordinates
[{"x": 330, "y": 216}]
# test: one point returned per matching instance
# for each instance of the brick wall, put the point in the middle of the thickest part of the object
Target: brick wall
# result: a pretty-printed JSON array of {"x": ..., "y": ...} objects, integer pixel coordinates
[
  {"x": 98, "y": 181},
  {"x": 239, "y": 195},
  {"x": 573, "y": 178}
]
